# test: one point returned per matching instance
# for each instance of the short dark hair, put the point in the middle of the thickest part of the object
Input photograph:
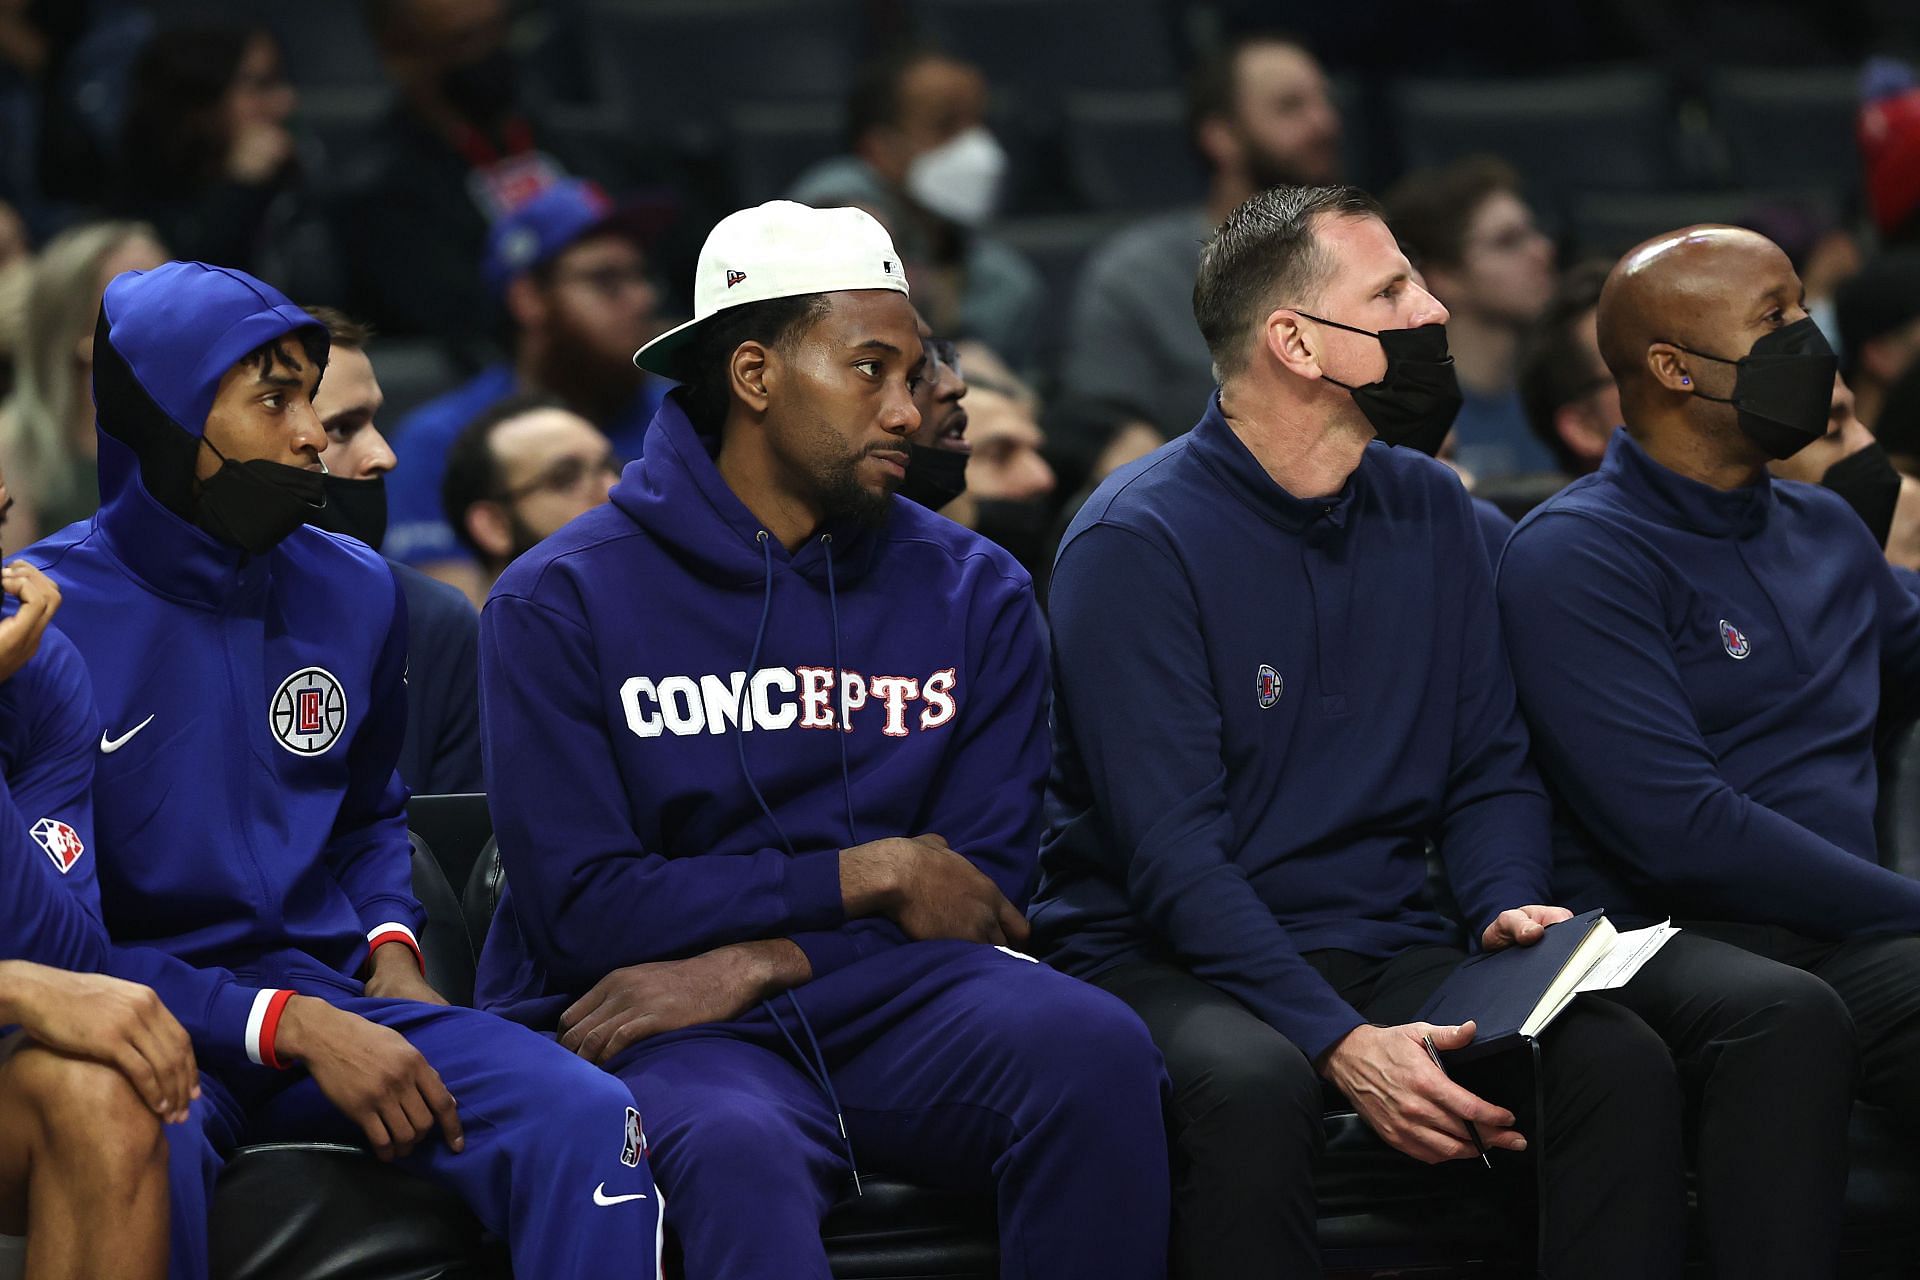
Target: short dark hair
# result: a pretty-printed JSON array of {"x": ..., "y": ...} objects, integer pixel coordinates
[
  {"x": 473, "y": 473},
  {"x": 1215, "y": 81},
  {"x": 1553, "y": 371},
  {"x": 1431, "y": 209},
  {"x": 708, "y": 385},
  {"x": 313, "y": 341},
  {"x": 342, "y": 329},
  {"x": 875, "y": 98},
  {"x": 1266, "y": 254}
]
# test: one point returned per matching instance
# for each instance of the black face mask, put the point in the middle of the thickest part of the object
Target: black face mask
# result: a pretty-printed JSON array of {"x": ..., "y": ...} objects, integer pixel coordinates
[
  {"x": 1867, "y": 480},
  {"x": 1782, "y": 388},
  {"x": 483, "y": 91},
  {"x": 357, "y": 508},
  {"x": 1020, "y": 528},
  {"x": 1415, "y": 404},
  {"x": 935, "y": 476},
  {"x": 254, "y": 505}
]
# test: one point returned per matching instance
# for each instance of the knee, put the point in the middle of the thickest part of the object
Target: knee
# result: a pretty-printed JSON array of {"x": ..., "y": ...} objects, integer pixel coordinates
[
  {"x": 736, "y": 1136},
  {"x": 588, "y": 1109},
  {"x": 1256, "y": 1087},
  {"x": 88, "y": 1111},
  {"x": 1097, "y": 1047},
  {"x": 1801, "y": 1009}
]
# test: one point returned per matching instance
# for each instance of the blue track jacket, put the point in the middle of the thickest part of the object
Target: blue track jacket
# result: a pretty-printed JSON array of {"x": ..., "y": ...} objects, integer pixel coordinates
[{"x": 246, "y": 803}]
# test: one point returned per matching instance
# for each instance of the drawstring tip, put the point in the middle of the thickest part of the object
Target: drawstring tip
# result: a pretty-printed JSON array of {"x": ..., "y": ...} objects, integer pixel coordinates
[{"x": 841, "y": 1120}]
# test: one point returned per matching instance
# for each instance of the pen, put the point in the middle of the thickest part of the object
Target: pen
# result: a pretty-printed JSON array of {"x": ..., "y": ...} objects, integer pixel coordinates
[{"x": 1471, "y": 1131}]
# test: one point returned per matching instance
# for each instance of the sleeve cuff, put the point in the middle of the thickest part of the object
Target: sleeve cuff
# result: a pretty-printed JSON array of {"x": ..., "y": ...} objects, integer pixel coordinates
[
  {"x": 263, "y": 1023},
  {"x": 394, "y": 931},
  {"x": 813, "y": 892}
]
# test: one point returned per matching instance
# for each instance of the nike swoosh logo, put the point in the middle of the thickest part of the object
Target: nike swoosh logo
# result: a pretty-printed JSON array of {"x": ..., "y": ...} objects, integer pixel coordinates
[
  {"x": 601, "y": 1197},
  {"x": 110, "y": 745}
]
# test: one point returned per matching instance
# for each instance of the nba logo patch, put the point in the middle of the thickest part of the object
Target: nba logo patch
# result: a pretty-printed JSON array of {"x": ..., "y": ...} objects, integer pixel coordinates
[
  {"x": 1269, "y": 686},
  {"x": 635, "y": 1145},
  {"x": 1736, "y": 641},
  {"x": 61, "y": 842},
  {"x": 308, "y": 712}
]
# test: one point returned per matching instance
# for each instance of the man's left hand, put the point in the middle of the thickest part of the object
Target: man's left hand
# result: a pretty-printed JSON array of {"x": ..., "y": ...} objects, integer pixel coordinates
[
  {"x": 642, "y": 1000},
  {"x": 395, "y": 975},
  {"x": 1521, "y": 926}
]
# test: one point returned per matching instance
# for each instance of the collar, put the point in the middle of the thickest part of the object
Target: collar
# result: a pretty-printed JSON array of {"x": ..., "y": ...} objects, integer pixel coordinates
[
  {"x": 1674, "y": 499},
  {"x": 169, "y": 556},
  {"x": 1222, "y": 451}
]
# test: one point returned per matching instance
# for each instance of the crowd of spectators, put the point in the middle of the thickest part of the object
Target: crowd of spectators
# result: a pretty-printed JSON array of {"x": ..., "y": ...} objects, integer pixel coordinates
[{"x": 510, "y": 194}]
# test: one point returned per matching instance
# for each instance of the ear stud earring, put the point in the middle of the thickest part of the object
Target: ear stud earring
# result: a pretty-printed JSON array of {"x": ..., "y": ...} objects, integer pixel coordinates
[{"x": 1686, "y": 382}]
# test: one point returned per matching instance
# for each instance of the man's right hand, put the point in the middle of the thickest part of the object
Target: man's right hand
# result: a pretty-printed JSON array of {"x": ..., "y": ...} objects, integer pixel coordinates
[
  {"x": 39, "y": 601},
  {"x": 1386, "y": 1073},
  {"x": 929, "y": 890},
  {"x": 371, "y": 1073},
  {"x": 119, "y": 1024}
]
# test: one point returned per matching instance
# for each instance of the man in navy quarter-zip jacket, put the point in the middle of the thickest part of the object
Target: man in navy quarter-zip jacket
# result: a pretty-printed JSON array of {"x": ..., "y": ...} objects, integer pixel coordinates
[
  {"x": 718, "y": 715},
  {"x": 1705, "y": 656},
  {"x": 1279, "y": 677},
  {"x": 252, "y": 846}
]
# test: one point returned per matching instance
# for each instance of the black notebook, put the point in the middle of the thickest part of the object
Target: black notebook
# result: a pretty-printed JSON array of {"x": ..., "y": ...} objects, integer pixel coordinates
[{"x": 1515, "y": 992}]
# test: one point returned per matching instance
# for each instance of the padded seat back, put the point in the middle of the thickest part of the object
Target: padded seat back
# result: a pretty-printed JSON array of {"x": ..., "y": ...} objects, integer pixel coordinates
[
  {"x": 482, "y": 896},
  {"x": 444, "y": 940}
]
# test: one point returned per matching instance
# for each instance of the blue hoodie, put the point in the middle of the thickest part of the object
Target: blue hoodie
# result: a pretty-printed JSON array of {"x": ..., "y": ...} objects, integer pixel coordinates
[
  {"x": 626, "y": 785},
  {"x": 50, "y": 912},
  {"x": 252, "y": 708}
]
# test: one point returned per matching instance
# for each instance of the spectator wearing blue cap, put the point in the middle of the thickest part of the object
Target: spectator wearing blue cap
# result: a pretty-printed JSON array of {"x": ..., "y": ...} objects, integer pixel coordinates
[{"x": 569, "y": 267}]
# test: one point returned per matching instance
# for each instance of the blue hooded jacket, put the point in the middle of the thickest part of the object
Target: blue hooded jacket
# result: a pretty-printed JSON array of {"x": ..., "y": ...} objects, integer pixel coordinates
[
  {"x": 660, "y": 667},
  {"x": 247, "y": 808},
  {"x": 50, "y": 912}
]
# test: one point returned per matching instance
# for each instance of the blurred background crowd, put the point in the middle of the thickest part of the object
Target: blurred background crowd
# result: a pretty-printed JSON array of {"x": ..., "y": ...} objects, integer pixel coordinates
[{"x": 504, "y": 199}]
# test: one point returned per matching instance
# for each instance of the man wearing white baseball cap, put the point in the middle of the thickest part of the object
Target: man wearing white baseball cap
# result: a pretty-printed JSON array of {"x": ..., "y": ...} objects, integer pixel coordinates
[{"x": 724, "y": 716}]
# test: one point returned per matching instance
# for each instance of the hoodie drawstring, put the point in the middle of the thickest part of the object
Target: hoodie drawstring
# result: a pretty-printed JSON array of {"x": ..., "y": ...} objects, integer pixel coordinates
[
  {"x": 816, "y": 1066},
  {"x": 839, "y": 692}
]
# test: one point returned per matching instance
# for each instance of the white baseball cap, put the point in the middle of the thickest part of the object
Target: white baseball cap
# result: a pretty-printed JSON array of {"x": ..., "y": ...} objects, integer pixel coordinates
[{"x": 779, "y": 250}]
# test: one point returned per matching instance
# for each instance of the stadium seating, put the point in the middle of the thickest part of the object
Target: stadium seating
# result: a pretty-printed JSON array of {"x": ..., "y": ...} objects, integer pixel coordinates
[
  {"x": 1064, "y": 45},
  {"x": 1570, "y": 133}
]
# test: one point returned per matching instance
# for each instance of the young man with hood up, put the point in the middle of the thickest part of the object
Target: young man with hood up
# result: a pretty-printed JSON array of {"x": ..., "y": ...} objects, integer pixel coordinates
[
  {"x": 255, "y": 872},
  {"x": 723, "y": 716}
]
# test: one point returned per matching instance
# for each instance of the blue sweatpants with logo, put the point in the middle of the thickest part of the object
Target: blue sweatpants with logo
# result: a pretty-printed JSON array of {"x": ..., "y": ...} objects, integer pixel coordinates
[
  {"x": 545, "y": 1136},
  {"x": 956, "y": 1065}
]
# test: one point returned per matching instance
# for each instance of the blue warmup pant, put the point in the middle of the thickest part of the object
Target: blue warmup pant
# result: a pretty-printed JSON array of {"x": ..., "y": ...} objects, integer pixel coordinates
[
  {"x": 546, "y": 1133},
  {"x": 956, "y": 1065}
]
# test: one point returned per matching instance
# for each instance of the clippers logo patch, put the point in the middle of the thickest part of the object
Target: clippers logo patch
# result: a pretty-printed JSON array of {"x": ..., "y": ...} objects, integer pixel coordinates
[
  {"x": 636, "y": 1141},
  {"x": 309, "y": 711},
  {"x": 735, "y": 277},
  {"x": 61, "y": 842},
  {"x": 1735, "y": 640},
  {"x": 1269, "y": 686}
]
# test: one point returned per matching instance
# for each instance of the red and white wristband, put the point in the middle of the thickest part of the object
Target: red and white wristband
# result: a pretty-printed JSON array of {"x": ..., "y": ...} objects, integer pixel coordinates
[
  {"x": 263, "y": 1022},
  {"x": 394, "y": 931}
]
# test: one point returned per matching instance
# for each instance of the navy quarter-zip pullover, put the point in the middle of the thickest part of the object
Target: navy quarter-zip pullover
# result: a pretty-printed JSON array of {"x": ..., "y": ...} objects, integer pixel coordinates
[
  {"x": 1266, "y": 707},
  {"x": 1703, "y": 671}
]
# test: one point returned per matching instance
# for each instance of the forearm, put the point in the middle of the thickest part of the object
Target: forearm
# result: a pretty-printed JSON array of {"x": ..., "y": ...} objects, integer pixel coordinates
[
  {"x": 17, "y": 983},
  {"x": 767, "y": 968}
]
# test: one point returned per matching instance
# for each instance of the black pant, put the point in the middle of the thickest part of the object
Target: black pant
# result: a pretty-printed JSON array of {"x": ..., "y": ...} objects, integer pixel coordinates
[
  {"x": 1774, "y": 1033},
  {"x": 1245, "y": 1125}
]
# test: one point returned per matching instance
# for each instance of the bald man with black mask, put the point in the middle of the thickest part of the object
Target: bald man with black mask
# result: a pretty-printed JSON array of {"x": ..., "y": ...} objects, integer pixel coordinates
[{"x": 1703, "y": 653}]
